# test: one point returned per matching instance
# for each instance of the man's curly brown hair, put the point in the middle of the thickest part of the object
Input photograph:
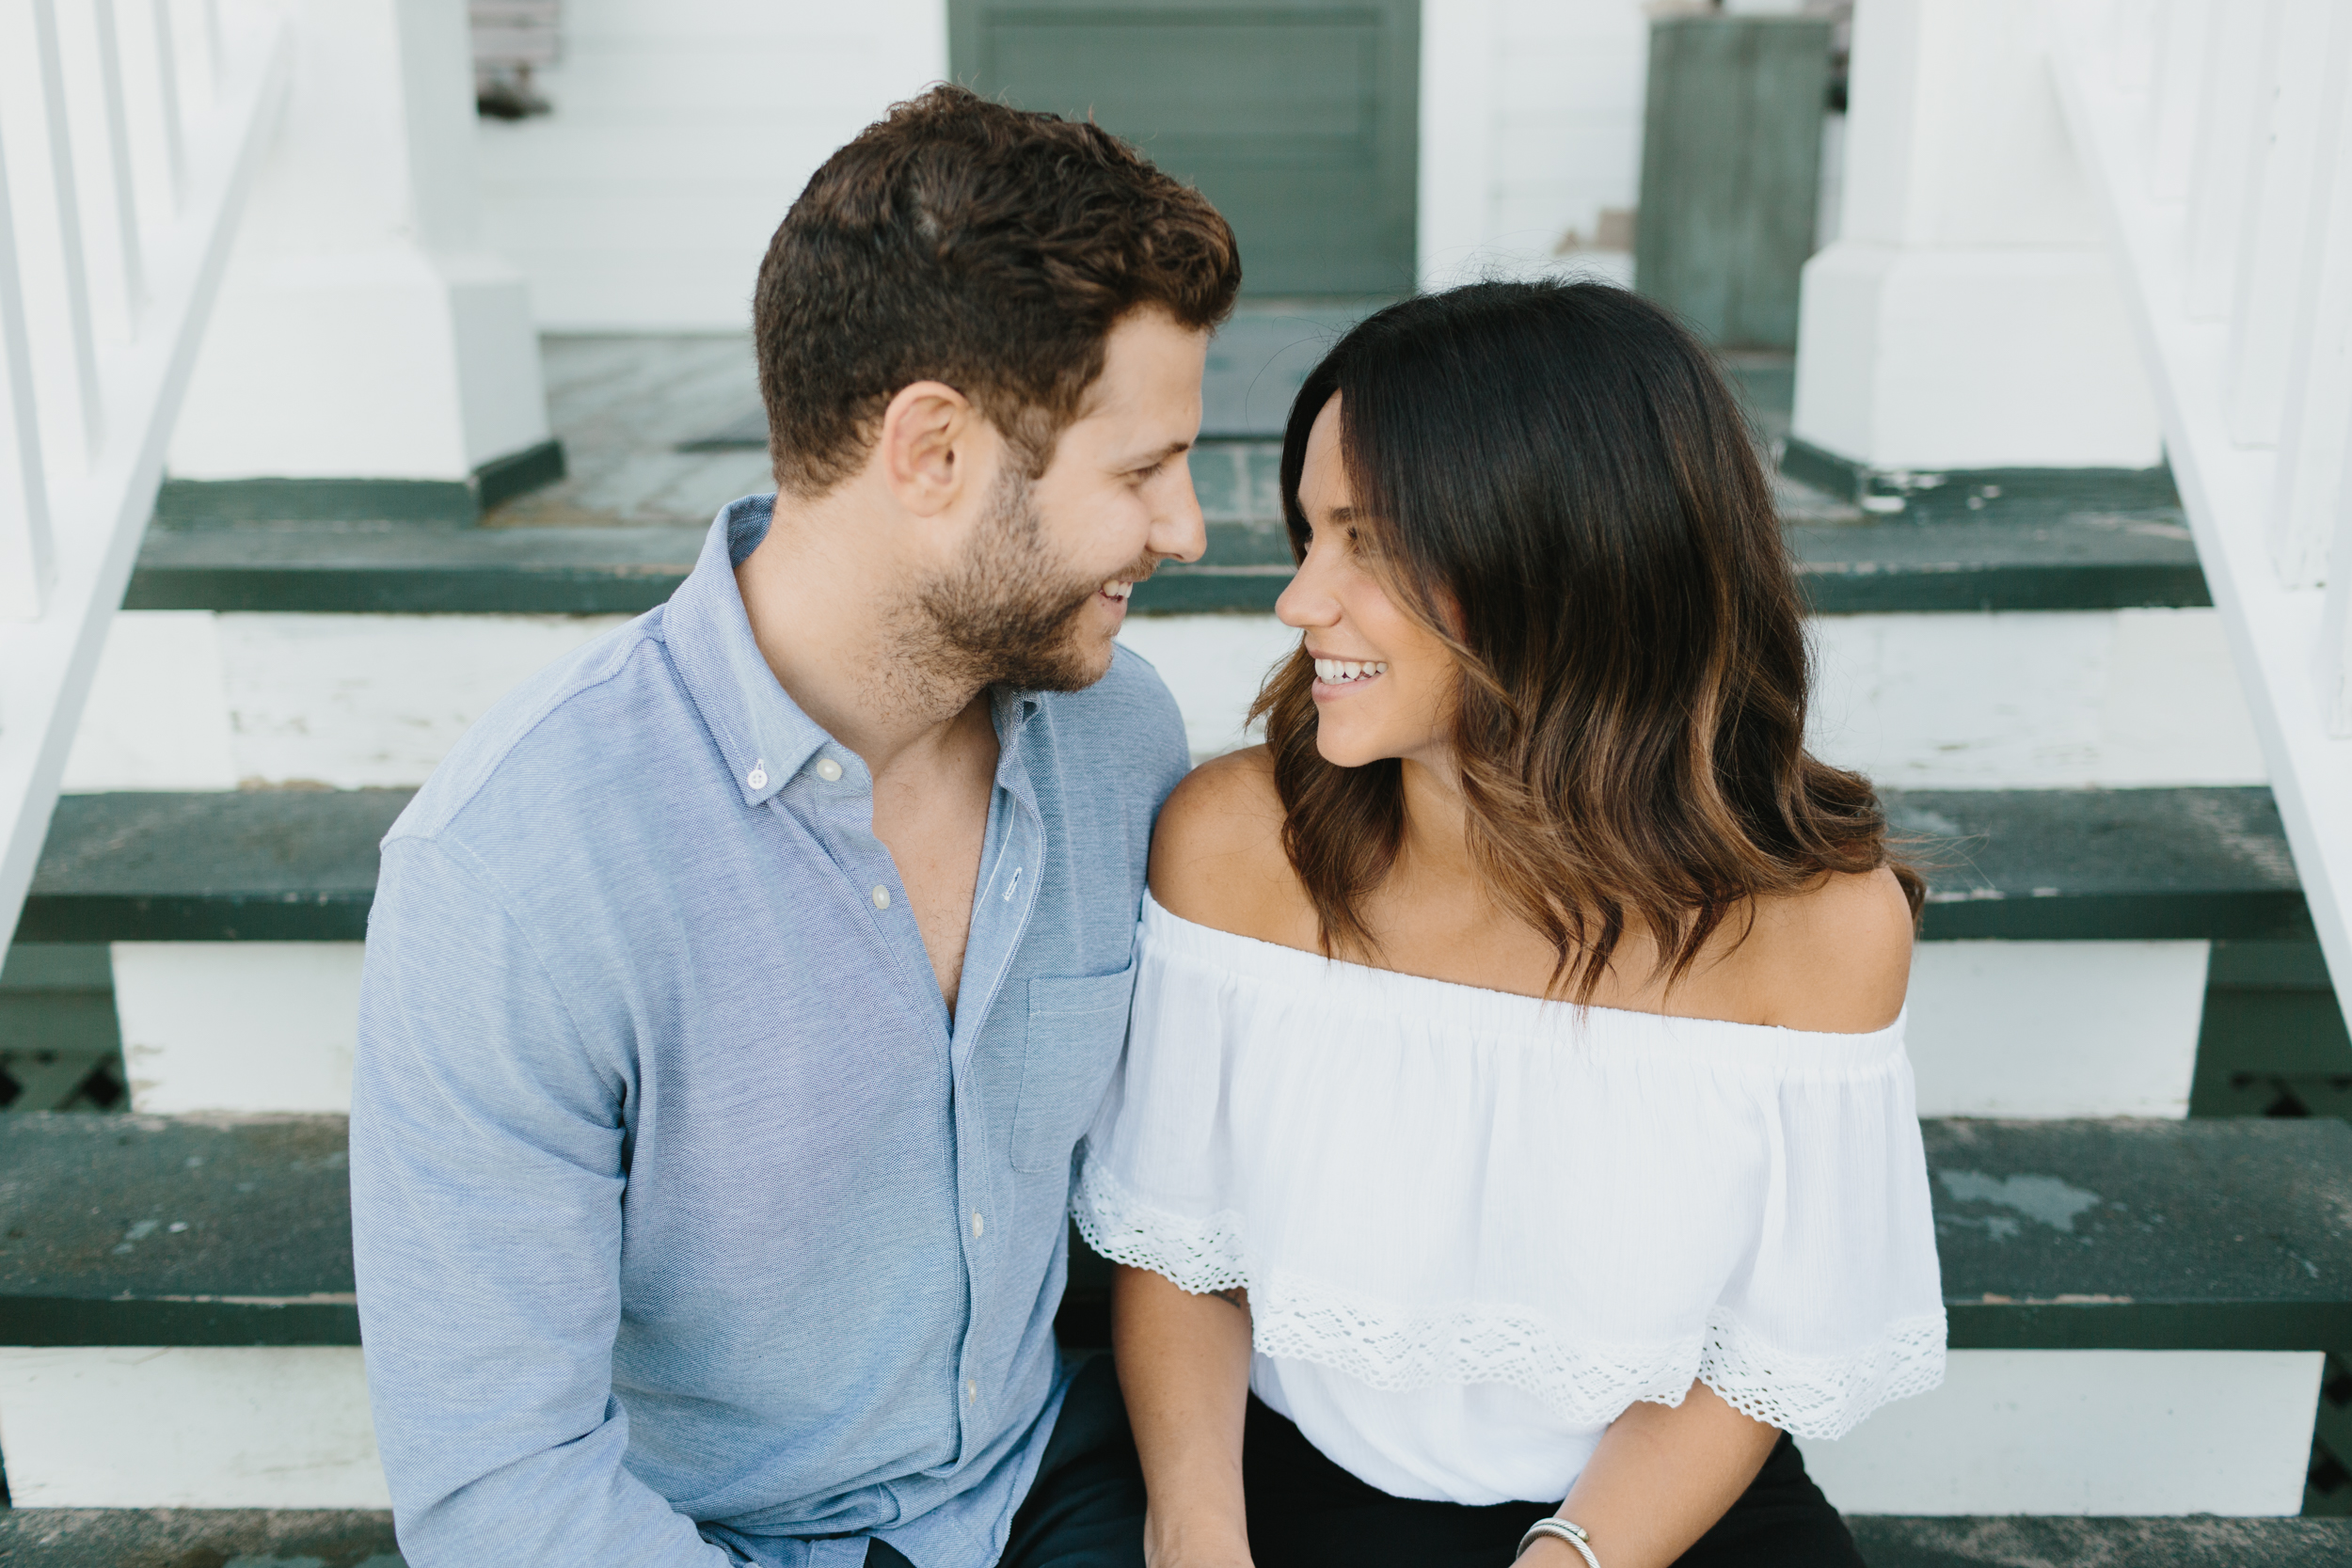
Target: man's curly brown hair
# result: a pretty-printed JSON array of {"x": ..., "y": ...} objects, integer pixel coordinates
[{"x": 991, "y": 249}]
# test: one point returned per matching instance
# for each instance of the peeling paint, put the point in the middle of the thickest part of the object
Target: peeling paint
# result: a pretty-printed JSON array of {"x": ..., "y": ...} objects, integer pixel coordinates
[{"x": 2045, "y": 1199}]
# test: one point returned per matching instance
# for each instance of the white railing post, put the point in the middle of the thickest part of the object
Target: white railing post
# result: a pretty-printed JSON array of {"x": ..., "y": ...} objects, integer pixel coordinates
[
  {"x": 2317, "y": 416},
  {"x": 2180, "y": 75},
  {"x": 167, "y": 98},
  {"x": 26, "y": 560},
  {"x": 2332, "y": 664},
  {"x": 118, "y": 141},
  {"x": 2228, "y": 110},
  {"x": 77, "y": 355},
  {"x": 2272, "y": 241}
]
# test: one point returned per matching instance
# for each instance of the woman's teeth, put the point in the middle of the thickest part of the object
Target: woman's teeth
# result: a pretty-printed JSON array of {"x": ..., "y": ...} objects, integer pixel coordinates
[
  {"x": 1338, "y": 672},
  {"x": 1117, "y": 591}
]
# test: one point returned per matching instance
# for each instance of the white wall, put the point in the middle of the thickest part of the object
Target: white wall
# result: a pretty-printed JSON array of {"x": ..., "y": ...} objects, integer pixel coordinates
[
  {"x": 1530, "y": 117},
  {"x": 681, "y": 131},
  {"x": 683, "y": 128}
]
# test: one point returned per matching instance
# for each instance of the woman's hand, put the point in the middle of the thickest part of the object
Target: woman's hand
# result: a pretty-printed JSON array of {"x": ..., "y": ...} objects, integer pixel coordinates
[{"x": 1183, "y": 1365}]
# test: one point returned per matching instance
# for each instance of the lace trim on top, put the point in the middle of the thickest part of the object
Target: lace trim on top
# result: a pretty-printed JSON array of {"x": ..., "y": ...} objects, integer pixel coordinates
[
  {"x": 1199, "y": 1256},
  {"x": 1394, "y": 1350}
]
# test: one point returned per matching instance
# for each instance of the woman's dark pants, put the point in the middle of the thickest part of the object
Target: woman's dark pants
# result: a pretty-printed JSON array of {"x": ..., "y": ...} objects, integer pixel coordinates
[{"x": 1085, "y": 1509}]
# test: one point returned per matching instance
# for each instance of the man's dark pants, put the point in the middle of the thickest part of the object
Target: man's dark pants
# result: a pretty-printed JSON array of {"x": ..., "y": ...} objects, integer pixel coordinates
[{"x": 1085, "y": 1509}]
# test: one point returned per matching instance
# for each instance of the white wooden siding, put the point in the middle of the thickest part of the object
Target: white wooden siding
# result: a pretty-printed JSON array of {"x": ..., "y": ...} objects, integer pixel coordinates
[{"x": 681, "y": 131}]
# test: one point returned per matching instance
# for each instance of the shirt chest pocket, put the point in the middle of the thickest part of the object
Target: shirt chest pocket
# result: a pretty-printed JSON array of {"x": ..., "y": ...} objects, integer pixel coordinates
[{"x": 1076, "y": 1027}]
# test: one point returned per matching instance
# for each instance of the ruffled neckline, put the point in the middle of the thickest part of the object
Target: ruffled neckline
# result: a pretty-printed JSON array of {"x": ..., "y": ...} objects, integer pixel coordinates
[{"x": 1344, "y": 985}]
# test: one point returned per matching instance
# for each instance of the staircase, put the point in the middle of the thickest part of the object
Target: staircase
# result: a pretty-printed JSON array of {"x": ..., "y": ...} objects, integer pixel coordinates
[{"x": 2132, "y": 1061}]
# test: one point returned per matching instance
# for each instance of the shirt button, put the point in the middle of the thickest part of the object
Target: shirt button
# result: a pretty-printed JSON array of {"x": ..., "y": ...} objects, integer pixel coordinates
[
  {"x": 971, "y": 1391},
  {"x": 758, "y": 777},
  {"x": 976, "y": 1222},
  {"x": 828, "y": 770},
  {"x": 881, "y": 897}
]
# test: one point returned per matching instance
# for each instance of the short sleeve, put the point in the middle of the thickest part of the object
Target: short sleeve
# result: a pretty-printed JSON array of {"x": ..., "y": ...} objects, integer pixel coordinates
[
  {"x": 1838, "y": 1307},
  {"x": 1159, "y": 1188}
]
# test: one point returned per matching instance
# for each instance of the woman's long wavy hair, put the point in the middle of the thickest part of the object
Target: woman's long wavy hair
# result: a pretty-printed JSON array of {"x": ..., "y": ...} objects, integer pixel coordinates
[{"x": 1560, "y": 486}]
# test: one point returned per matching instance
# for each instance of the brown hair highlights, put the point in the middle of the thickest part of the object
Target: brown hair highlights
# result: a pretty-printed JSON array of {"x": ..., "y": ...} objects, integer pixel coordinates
[
  {"x": 960, "y": 241},
  {"x": 1561, "y": 487}
]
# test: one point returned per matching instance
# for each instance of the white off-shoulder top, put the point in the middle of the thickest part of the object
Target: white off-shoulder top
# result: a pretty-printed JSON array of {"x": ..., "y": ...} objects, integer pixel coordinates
[{"x": 1475, "y": 1226}]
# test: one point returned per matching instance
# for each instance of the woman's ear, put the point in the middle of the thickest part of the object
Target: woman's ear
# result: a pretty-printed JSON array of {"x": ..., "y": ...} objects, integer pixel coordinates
[{"x": 926, "y": 451}]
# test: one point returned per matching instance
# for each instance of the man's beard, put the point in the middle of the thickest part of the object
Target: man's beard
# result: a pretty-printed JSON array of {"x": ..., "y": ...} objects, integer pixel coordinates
[{"x": 1003, "y": 616}]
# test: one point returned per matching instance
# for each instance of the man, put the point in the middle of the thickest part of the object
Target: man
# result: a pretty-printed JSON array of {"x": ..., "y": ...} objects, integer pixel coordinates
[{"x": 737, "y": 990}]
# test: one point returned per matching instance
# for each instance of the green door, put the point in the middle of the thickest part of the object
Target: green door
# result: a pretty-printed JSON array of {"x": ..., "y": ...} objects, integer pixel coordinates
[{"x": 1298, "y": 119}]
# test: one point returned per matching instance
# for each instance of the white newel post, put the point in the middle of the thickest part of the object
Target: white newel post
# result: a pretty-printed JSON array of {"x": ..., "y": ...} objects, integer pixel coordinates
[
  {"x": 1969, "y": 315},
  {"x": 363, "y": 331}
]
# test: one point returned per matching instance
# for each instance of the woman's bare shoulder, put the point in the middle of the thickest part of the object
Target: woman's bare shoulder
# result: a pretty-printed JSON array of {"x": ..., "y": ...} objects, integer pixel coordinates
[
  {"x": 1836, "y": 956},
  {"x": 1216, "y": 851}
]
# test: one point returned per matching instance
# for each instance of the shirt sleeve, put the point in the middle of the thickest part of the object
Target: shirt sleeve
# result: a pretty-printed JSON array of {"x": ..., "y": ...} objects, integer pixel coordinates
[
  {"x": 487, "y": 1176},
  {"x": 1837, "y": 1307},
  {"x": 1158, "y": 1187}
]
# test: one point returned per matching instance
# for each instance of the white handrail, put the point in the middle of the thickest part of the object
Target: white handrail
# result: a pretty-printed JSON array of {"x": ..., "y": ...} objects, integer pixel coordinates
[
  {"x": 2242, "y": 297},
  {"x": 88, "y": 396}
]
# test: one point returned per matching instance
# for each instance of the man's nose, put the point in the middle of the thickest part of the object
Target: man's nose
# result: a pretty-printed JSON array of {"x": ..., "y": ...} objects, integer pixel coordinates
[{"x": 1180, "y": 532}]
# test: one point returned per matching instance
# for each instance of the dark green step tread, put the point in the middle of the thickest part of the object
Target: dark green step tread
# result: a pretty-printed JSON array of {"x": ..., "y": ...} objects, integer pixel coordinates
[
  {"x": 284, "y": 1538},
  {"x": 152, "y": 1231},
  {"x": 2117, "y": 865},
  {"x": 2105, "y": 1235},
  {"x": 2023, "y": 864},
  {"x": 2118, "y": 1234},
  {"x": 2072, "y": 1234},
  {"x": 2082, "y": 1235},
  {"x": 2087, "y": 560},
  {"x": 255, "y": 865},
  {"x": 2201, "y": 1542},
  {"x": 197, "y": 1538}
]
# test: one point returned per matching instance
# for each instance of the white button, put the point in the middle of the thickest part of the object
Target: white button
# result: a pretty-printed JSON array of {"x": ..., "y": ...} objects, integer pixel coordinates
[
  {"x": 828, "y": 770},
  {"x": 971, "y": 1390},
  {"x": 976, "y": 1226},
  {"x": 881, "y": 898},
  {"x": 758, "y": 777}
]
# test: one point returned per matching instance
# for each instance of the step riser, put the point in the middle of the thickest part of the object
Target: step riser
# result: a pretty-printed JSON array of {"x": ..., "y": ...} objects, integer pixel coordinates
[
  {"x": 2096, "y": 1432},
  {"x": 2010, "y": 1432},
  {"x": 279, "y": 1426},
  {"x": 2056, "y": 1028},
  {"x": 245, "y": 1026},
  {"x": 1998, "y": 1028},
  {"x": 2120, "y": 699}
]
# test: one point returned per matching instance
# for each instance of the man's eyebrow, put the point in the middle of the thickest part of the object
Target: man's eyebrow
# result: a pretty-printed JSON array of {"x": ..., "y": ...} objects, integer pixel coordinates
[{"x": 1153, "y": 459}]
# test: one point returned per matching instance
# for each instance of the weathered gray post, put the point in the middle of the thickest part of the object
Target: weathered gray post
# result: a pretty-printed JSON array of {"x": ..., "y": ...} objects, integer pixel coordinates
[{"x": 1731, "y": 169}]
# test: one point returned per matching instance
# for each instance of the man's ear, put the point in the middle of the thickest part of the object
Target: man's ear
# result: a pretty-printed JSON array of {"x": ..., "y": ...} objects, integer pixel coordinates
[{"x": 928, "y": 448}]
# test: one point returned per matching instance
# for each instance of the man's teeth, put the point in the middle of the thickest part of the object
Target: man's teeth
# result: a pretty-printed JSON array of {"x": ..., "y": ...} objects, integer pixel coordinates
[
  {"x": 1338, "y": 672},
  {"x": 1119, "y": 590}
]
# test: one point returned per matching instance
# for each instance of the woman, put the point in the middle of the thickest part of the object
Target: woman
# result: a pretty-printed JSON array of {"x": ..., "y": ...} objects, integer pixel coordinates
[{"x": 1516, "y": 1107}]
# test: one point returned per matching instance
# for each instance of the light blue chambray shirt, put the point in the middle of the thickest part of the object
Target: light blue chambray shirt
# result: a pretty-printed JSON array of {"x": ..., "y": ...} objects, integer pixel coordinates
[{"x": 684, "y": 1219}]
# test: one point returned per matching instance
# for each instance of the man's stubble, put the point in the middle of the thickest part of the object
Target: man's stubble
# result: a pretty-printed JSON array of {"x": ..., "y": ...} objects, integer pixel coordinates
[{"x": 1006, "y": 615}]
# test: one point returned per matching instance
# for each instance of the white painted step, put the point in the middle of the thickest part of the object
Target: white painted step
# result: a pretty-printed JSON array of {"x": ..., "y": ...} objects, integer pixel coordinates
[
  {"x": 2100, "y": 1433},
  {"x": 2009, "y": 699},
  {"x": 1997, "y": 1028}
]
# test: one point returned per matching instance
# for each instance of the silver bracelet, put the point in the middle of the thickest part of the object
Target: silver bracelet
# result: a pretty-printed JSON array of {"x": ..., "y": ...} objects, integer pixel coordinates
[{"x": 1560, "y": 1530}]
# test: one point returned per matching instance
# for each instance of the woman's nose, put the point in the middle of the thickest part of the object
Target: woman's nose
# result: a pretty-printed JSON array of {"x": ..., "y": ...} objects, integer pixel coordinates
[{"x": 1304, "y": 604}]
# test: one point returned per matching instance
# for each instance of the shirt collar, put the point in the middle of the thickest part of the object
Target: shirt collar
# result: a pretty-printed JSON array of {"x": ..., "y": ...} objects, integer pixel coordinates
[{"x": 759, "y": 729}]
